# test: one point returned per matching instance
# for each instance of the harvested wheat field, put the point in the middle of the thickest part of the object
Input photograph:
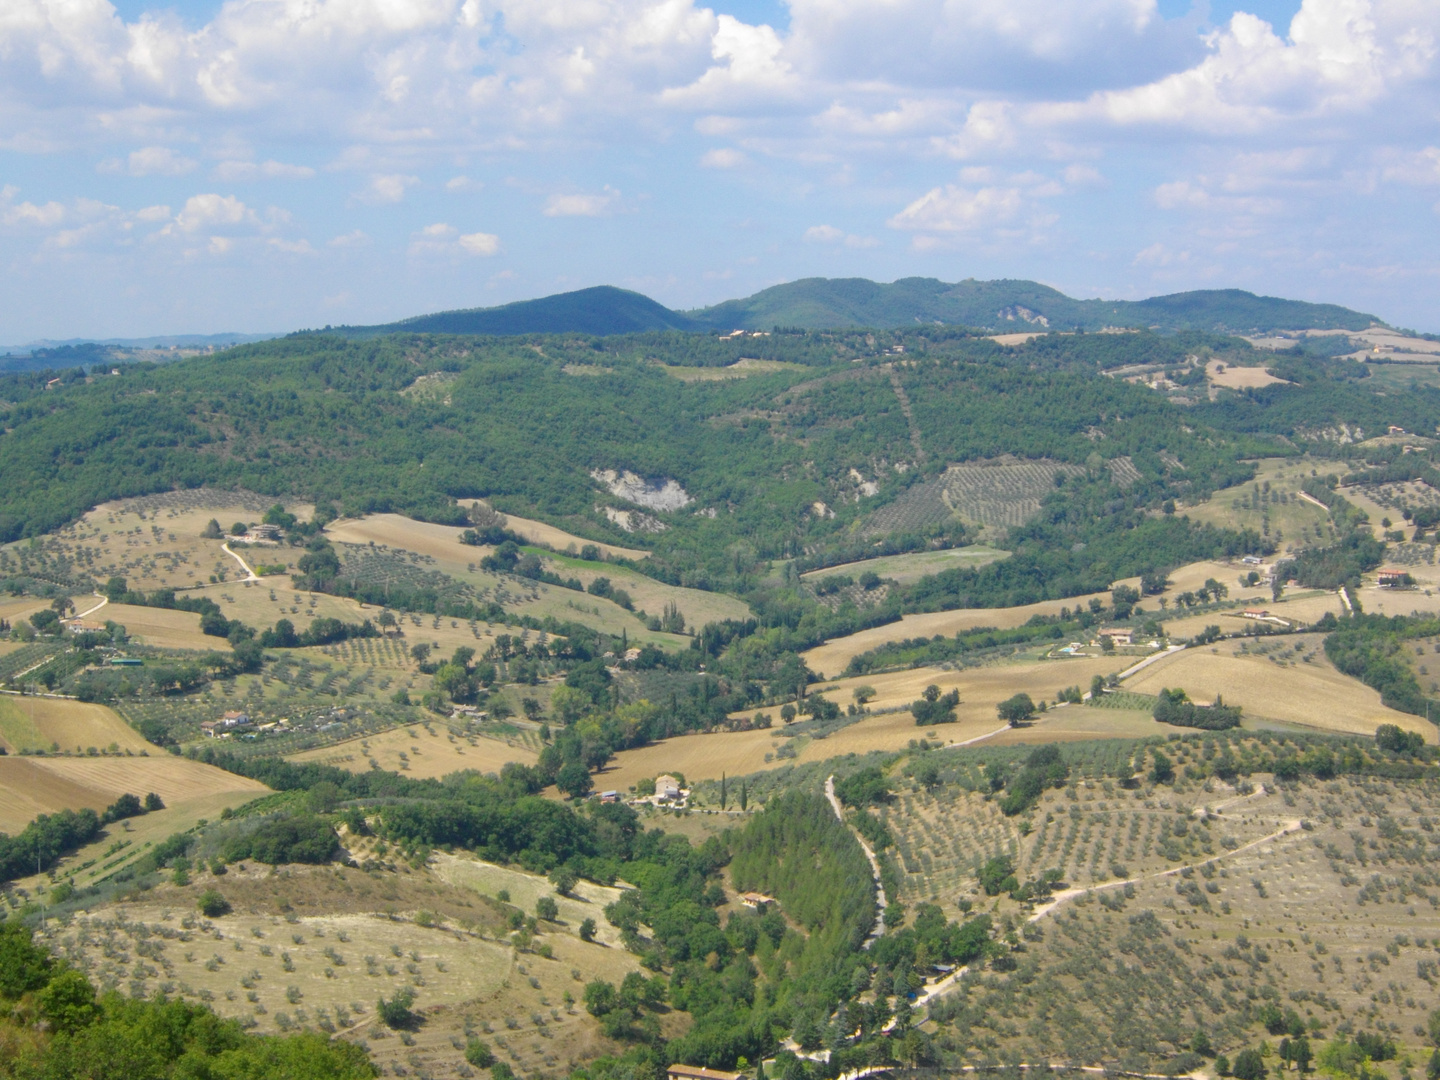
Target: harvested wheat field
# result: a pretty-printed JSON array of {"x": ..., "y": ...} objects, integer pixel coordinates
[
  {"x": 1238, "y": 378},
  {"x": 830, "y": 659},
  {"x": 26, "y": 791},
  {"x": 95, "y": 862},
  {"x": 443, "y": 541},
  {"x": 420, "y": 753},
  {"x": 981, "y": 688},
  {"x": 162, "y": 628},
  {"x": 1312, "y": 694},
  {"x": 14, "y": 610},
  {"x": 1305, "y": 608},
  {"x": 175, "y": 779},
  {"x": 705, "y": 757},
  {"x": 1400, "y": 601},
  {"x": 38, "y": 723}
]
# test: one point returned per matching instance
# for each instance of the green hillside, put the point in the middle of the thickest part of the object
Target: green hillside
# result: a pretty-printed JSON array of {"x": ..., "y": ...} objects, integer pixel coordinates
[
  {"x": 603, "y": 309},
  {"x": 1013, "y": 305},
  {"x": 840, "y": 453}
]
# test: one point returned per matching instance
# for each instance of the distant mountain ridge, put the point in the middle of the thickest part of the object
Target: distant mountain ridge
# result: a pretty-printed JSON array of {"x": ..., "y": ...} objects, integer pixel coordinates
[
  {"x": 602, "y": 310},
  {"x": 831, "y": 303},
  {"x": 835, "y": 303},
  {"x": 810, "y": 303}
]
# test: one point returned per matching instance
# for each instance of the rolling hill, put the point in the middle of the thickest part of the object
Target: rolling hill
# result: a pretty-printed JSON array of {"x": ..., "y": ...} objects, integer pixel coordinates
[
  {"x": 823, "y": 303},
  {"x": 602, "y": 310}
]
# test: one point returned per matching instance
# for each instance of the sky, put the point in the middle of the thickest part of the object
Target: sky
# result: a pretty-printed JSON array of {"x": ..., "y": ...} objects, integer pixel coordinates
[{"x": 256, "y": 166}]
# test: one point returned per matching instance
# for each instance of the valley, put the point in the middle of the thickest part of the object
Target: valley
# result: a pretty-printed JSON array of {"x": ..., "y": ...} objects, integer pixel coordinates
[{"x": 467, "y": 703}]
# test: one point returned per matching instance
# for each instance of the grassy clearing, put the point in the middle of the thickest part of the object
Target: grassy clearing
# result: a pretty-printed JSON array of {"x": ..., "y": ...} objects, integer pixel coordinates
[
  {"x": 912, "y": 567},
  {"x": 1230, "y": 377},
  {"x": 741, "y": 369},
  {"x": 1280, "y": 513},
  {"x": 587, "y": 900}
]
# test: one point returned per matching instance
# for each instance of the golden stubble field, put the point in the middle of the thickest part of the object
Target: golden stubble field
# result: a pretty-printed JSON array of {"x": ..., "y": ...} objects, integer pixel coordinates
[
  {"x": 706, "y": 757},
  {"x": 422, "y": 752},
  {"x": 43, "y": 785},
  {"x": 831, "y": 658},
  {"x": 440, "y": 550},
  {"x": 38, "y": 723},
  {"x": 1312, "y": 694}
]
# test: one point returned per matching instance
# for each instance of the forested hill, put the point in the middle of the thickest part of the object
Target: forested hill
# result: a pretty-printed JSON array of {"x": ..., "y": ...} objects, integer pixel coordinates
[
  {"x": 1014, "y": 305},
  {"x": 821, "y": 445},
  {"x": 601, "y": 310},
  {"x": 831, "y": 303}
]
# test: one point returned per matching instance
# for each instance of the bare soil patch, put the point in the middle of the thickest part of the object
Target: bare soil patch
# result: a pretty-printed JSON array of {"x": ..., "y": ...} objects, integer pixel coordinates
[{"x": 1238, "y": 378}]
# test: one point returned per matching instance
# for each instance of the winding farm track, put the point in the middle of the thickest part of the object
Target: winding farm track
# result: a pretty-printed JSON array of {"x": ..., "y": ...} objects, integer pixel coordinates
[
  {"x": 91, "y": 611},
  {"x": 1070, "y": 894},
  {"x": 252, "y": 576},
  {"x": 880, "y": 902}
]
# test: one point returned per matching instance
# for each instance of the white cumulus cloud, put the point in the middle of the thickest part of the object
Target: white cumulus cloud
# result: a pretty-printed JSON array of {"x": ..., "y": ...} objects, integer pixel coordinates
[
  {"x": 952, "y": 209},
  {"x": 231, "y": 171},
  {"x": 580, "y": 205},
  {"x": 150, "y": 161}
]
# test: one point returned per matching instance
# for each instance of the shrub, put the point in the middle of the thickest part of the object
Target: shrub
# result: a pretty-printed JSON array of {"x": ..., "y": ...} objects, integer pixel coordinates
[
  {"x": 1016, "y": 710},
  {"x": 564, "y": 879},
  {"x": 212, "y": 905},
  {"x": 997, "y": 875},
  {"x": 479, "y": 1054},
  {"x": 547, "y": 909},
  {"x": 396, "y": 1012},
  {"x": 1248, "y": 1066}
]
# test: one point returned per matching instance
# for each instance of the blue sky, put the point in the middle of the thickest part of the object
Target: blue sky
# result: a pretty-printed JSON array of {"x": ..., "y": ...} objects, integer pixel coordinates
[{"x": 263, "y": 165}]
